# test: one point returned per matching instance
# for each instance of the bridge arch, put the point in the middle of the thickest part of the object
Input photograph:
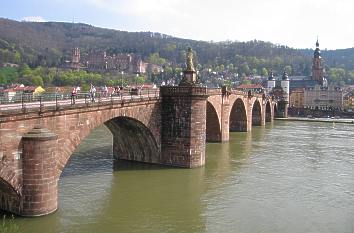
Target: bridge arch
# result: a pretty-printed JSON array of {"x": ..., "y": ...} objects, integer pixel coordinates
[
  {"x": 9, "y": 197},
  {"x": 275, "y": 110},
  {"x": 238, "y": 116},
  {"x": 132, "y": 140},
  {"x": 213, "y": 129},
  {"x": 268, "y": 112},
  {"x": 132, "y": 129},
  {"x": 256, "y": 114}
]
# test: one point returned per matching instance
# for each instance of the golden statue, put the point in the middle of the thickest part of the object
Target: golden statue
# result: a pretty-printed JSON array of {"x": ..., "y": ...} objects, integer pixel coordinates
[{"x": 190, "y": 66}]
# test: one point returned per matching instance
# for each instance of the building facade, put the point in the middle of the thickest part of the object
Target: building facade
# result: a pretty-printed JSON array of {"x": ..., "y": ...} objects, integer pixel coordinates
[
  {"x": 297, "y": 98},
  {"x": 348, "y": 101},
  {"x": 323, "y": 97}
]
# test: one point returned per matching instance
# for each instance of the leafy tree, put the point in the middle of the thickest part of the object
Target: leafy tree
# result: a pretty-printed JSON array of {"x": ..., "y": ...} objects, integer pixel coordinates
[
  {"x": 244, "y": 69},
  {"x": 288, "y": 70},
  {"x": 140, "y": 80},
  {"x": 254, "y": 71},
  {"x": 264, "y": 72},
  {"x": 37, "y": 80},
  {"x": 154, "y": 58}
]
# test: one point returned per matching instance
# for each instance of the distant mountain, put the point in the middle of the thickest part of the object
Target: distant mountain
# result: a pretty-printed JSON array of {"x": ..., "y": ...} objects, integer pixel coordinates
[{"x": 50, "y": 43}]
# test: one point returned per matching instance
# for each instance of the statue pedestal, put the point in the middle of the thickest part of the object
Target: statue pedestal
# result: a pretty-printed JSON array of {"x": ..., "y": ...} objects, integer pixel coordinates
[{"x": 189, "y": 78}]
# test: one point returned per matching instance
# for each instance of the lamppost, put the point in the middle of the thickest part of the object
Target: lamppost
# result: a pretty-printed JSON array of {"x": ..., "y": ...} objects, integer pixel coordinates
[
  {"x": 121, "y": 81},
  {"x": 162, "y": 76}
]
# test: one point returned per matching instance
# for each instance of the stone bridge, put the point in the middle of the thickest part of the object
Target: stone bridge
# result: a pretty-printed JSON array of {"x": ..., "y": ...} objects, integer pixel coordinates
[{"x": 169, "y": 129}]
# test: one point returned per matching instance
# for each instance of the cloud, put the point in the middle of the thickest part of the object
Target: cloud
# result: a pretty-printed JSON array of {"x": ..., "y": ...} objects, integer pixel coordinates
[{"x": 33, "y": 19}]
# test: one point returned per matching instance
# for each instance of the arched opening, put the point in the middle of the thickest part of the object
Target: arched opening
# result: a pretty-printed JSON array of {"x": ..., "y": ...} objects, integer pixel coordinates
[
  {"x": 9, "y": 199},
  {"x": 268, "y": 116},
  {"x": 238, "y": 117},
  {"x": 91, "y": 190},
  {"x": 86, "y": 181},
  {"x": 256, "y": 114},
  {"x": 133, "y": 141},
  {"x": 213, "y": 132},
  {"x": 275, "y": 111}
]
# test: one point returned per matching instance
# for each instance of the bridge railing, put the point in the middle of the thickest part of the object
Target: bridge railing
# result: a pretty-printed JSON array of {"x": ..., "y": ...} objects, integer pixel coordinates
[
  {"x": 28, "y": 102},
  {"x": 172, "y": 90},
  {"x": 214, "y": 91}
]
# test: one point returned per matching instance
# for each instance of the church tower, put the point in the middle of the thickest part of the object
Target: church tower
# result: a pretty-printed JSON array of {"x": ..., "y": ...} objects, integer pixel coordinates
[{"x": 317, "y": 65}]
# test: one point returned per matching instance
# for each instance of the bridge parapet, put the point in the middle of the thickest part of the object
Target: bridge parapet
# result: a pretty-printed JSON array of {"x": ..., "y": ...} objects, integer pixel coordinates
[
  {"x": 214, "y": 91},
  {"x": 182, "y": 91},
  {"x": 44, "y": 103}
]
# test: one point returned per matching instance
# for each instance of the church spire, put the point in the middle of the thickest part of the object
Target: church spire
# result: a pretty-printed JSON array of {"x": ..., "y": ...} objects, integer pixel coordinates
[
  {"x": 317, "y": 53},
  {"x": 317, "y": 44}
]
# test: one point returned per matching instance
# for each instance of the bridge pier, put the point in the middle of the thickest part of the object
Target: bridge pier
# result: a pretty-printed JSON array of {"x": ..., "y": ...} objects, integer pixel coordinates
[
  {"x": 40, "y": 184},
  {"x": 283, "y": 106},
  {"x": 183, "y": 118},
  {"x": 225, "y": 118}
]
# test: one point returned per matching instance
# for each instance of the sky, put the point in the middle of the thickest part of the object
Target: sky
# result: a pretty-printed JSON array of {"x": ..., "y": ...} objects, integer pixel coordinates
[{"x": 295, "y": 23}]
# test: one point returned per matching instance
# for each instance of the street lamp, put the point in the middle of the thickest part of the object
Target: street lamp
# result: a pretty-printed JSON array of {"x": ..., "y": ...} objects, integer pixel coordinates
[
  {"x": 162, "y": 75},
  {"x": 121, "y": 81}
]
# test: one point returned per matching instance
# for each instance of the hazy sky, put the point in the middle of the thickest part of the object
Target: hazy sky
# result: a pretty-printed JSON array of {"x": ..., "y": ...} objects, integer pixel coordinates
[{"x": 295, "y": 23}]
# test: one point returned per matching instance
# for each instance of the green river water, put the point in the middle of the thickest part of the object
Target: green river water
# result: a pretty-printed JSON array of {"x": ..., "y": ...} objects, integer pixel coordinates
[{"x": 295, "y": 177}]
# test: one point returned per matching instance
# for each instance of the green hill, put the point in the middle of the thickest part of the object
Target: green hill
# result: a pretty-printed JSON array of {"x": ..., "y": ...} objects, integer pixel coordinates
[{"x": 50, "y": 44}]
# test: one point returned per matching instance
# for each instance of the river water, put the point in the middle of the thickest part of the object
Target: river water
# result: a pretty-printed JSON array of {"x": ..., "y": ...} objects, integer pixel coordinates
[{"x": 284, "y": 177}]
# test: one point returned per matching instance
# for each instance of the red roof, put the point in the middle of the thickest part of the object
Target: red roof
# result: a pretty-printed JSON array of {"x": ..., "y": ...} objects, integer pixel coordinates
[{"x": 19, "y": 88}]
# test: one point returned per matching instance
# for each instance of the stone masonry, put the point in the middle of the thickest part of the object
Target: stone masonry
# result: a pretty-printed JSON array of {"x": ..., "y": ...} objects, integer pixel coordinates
[{"x": 36, "y": 145}]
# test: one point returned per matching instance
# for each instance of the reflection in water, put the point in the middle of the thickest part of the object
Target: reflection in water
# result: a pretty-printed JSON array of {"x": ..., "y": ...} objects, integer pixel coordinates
[{"x": 284, "y": 177}]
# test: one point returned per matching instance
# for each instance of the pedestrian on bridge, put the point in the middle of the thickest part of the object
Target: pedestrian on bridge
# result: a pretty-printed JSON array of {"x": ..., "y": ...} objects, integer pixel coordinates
[
  {"x": 92, "y": 93},
  {"x": 73, "y": 95}
]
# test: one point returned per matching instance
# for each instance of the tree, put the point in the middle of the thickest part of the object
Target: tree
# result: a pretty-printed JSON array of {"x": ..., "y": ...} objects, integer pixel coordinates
[
  {"x": 37, "y": 80},
  {"x": 336, "y": 75},
  {"x": 140, "y": 80},
  {"x": 155, "y": 58},
  {"x": 3, "y": 79},
  {"x": 254, "y": 71},
  {"x": 288, "y": 70},
  {"x": 264, "y": 72},
  {"x": 244, "y": 69}
]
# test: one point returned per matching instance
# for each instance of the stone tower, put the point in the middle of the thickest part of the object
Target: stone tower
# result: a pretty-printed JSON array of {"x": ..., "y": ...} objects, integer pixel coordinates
[
  {"x": 317, "y": 65},
  {"x": 75, "y": 58},
  {"x": 183, "y": 120},
  {"x": 285, "y": 85},
  {"x": 283, "y": 103},
  {"x": 271, "y": 81}
]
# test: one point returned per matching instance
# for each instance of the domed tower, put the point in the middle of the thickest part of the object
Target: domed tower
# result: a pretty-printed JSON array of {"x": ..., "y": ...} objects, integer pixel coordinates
[
  {"x": 317, "y": 65},
  {"x": 285, "y": 85},
  {"x": 271, "y": 81}
]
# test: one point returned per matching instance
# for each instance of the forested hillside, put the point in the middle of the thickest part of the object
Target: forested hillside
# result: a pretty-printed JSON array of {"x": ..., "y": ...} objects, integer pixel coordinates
[{"x": 49, "y": 44}]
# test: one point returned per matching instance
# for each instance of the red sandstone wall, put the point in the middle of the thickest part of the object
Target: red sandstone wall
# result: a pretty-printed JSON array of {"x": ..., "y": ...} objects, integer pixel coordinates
[{"x": 71, "y": 126}]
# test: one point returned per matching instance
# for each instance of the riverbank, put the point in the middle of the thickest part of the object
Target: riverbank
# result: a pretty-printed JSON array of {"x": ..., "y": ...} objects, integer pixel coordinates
[{"x": 329, "y": 120}]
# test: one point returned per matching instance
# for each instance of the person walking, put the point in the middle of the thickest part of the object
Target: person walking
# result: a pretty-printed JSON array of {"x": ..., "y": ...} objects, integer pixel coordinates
[
  {"x": 73, "y": 95},
  {"x": 92, "y": 93}
]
